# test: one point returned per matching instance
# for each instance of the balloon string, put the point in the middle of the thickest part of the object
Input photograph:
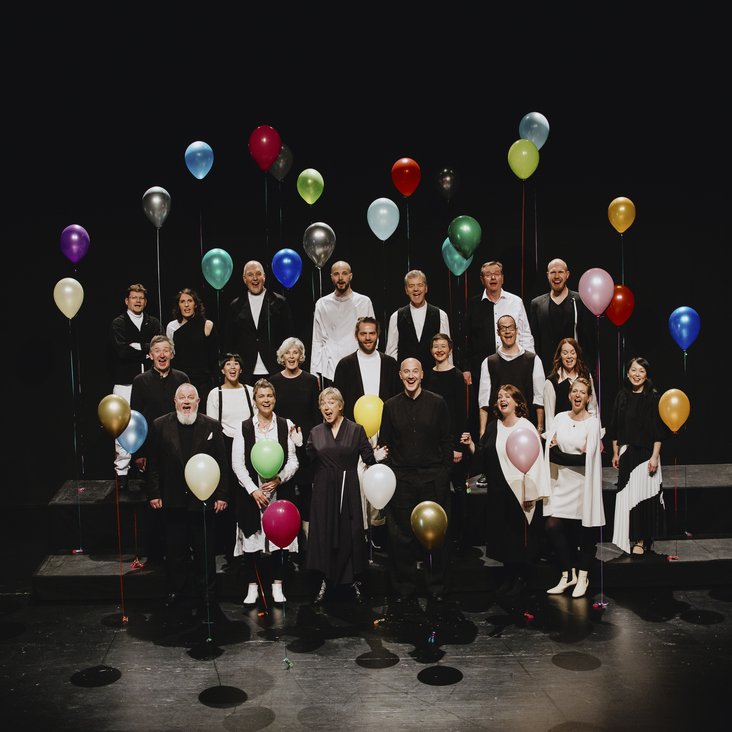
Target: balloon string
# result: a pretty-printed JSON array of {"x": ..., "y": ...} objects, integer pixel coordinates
[
  {"x": 536, "y": 236},
  {"x": 266, "y": 217},
  {"x": 523, "y": 216},
  {"x": 160, "y": 298},
  {"x": 622, "y": 260},
  {"x": 200, "y": 229},
  {"x": 602, "y": 573},
  {"x": 408, "y": 265},
  {"x": 599, "y": 383},
  {"x": 279, "y": 187},
  {"x": 119, "y": 549},
  {"x": 205, "y": 571}
]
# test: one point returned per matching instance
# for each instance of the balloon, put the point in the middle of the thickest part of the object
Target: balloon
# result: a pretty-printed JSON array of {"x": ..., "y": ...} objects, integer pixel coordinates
[
  {"x": 281, "y": 167},
  {"x": 406, "y": 175},
  {"x": 265, "y": 145},
  {"x": 135, "y": 433},
  {"x": 464, "y": 234},
  {"x": 684, "y": 325},
  {"x": 268, "y": 457},
  {"x": 534, "y": 126},
  {"x": 202, "y": 474},
  {"x": 114, "y": 414},
  {"x": 156, "y": 205},
  {"x": 68, "y": 294},
  {"x": 287, "y": 266},
  {"x": 199, "y": 159},
  {"x": 456, "y": 263},
  {"x": 673, "y": 406},
  {"x": 383, "y": 217},
  {"x": 523, "y": 447},
  {"x": 310, "y": 185},
  {"x": 429, "y": 523},
  {"x": 74, "y": 242},
  {"x": 367, "y": 412},
  {"x": 281, "y": 522},
  {"x": 621, "y": 213},
  {"x": 379, "y": 484},
  {"x": 523, "y": 158},
  {"x": 319, "y": 242},
  {"x": 217, "y": 267},
  {"x": 596, "y": 290},
  {"x": 448, "y": 183},
  {"x": 621, "y": 305}
]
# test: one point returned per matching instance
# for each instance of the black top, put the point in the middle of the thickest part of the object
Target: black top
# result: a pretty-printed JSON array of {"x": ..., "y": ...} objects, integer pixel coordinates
[
  {"x": 451, "y": 386},
  {"x": 124, "y": 361},
  {"x": 635, "y": 419},
  {"x": 197, "y": 354}
]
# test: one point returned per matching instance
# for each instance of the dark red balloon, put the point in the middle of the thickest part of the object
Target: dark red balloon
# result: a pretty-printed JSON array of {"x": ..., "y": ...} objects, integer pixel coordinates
[
  {"x": 621, "y": 305},
  {"x": 281, "y": 523},
  {"x": 265, "y": 144},
  {"x": 406, "y": 175}
]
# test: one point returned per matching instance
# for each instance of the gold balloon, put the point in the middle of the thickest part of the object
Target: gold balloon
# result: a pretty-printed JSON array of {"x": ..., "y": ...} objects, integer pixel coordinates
[
  {"x": 367, "y": 412},
  {"x": 673, "y": 406},
  {"x": 429, "y": 524},
  {"x": 621, "y": 213},
  {"x": 114, "y": 414}
]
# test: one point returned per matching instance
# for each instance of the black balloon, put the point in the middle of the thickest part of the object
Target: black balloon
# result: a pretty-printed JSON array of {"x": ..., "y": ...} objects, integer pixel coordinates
[
  {"x": 448, "y": 183},
  {"x": 281, "y": 166}
]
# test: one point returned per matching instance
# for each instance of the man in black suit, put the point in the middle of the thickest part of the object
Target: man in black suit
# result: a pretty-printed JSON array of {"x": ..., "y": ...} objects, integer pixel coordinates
[
  {"x": 560, "y": 313},
  {"x": 176, "y": 438},
  {"x": 259, "y": 320}
]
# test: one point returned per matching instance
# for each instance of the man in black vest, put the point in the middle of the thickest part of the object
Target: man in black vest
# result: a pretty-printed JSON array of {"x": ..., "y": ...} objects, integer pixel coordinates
[{"x": 411, "y": 327}]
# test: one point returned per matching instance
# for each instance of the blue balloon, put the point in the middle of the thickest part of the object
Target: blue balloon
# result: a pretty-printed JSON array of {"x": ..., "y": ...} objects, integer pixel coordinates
[
  {"x": 684, "y": 325},
  {"x": 135, "y": 433},
  {"x": 534, "y": 126},
  {"x": 199, "y": 159},
  {"x": 287, "y": 267},
  {"x": 456, "y": 263}
]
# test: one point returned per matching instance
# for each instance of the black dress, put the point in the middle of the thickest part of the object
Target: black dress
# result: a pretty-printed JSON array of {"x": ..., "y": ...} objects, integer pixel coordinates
[{"x": 197, "y": 354}]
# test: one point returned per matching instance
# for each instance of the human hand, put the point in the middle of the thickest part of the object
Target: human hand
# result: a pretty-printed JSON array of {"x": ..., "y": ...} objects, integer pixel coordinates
[
  {"x": 261, "y": 498},
  {"x": 296, "y": 435},
  {"x": 457, "y": 456},
  {"x": 220, "y": 506},
  {"x": 381, "y": 453},
  {"x": 156, "y": 503}
]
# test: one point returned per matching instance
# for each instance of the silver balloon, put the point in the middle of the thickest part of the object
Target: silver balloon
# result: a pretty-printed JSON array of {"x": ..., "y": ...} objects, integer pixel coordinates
[
  {"x": 319, "y": 243},
  {"x": 281, "y": 166},
  {"x": 156, "y": 205}
]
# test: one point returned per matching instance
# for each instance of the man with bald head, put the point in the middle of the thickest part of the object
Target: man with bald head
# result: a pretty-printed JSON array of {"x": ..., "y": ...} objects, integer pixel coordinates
[
  {"x": 334, "y": 323},
  {"x": 258, "y": 321},
  {"x": 560, "y": 313}
]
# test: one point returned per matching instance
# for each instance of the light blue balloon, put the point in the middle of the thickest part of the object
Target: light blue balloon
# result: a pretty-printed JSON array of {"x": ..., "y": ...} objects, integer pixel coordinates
[
  {"x": 383, "y": 217},
  {"x": 199, "y": 159},
  {"x": 534, "y": 126},
  {"x": 287, "y": 267},
  {"x": 684, "y": 324},
  {"x": 456, "y": 263},
  {"x": 135, "y": 434},
  {"x": 217, "y": 267}
]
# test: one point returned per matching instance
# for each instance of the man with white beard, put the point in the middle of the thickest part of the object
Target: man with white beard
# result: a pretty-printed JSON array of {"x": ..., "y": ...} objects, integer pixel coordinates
[{"x": 176, "y": 437}]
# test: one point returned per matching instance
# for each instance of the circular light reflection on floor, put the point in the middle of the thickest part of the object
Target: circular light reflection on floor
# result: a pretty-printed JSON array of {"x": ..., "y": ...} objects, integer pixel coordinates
[
  {"x": 249, "y": 718},
  {"x": 222, "y": 697},
  {"x": 440, "y": 676},
  {"x": 575, "y": 661},
  {"x": 205, "y": 651},
  {"x": 96, "y": 676},
  {"x": 379, "y": 658},
  {"x": 702, "y": 617}
]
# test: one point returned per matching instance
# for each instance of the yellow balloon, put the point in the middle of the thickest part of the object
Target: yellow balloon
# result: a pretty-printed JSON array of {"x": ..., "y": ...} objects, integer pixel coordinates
[
  {"x": 429, "y": 524},
  {"x": 621, "y": 213},
  {"x": 367, "y": 412},
  {"x": 114, "y": 414},
  {"x": 202, "y": 474},
  {"x": 68, "y": 295},
  {"x": 673, "y": 406},
  {"x": 523, "y": 157}
]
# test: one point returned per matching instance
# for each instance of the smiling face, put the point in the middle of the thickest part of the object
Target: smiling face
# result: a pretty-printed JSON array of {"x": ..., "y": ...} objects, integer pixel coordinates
[
  {"x": 579, "y": 396},
  {"x": 161, "y": 354},
  {"x": 505, "y": 403},
  {"x": 186, "y": 403},
  {"x": 254, "y": 277},
  {"x": 492, "y": 278},
  {"x": 232, "y": 371},
  {"x": 331, "y": 409},
  {"x": 637, "y": 376},
  {"x": 187, "y": 306},
  {"x": 291, "y": 358},
  {"x": 557, "y": 274},
  {"x": 568, "y": 356},
  {"x": 411, "y": 375},
  {"x": 507, "y": 331},
  {"x": 367, "y": 337},
  {"x": 440, "y": 350},
  {"x": 264, "y": 400},
  {"x": 416, "y": 289}
]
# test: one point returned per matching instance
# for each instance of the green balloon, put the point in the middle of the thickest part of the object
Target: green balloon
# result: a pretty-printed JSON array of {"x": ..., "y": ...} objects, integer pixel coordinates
[
  {"x": 217, "y": 267},
  {"x": 523, "y": 157},
  {"x": 310, "y": 185},
  {"x": 464, "y": 234},
  {"x": 268, "y": 457}
]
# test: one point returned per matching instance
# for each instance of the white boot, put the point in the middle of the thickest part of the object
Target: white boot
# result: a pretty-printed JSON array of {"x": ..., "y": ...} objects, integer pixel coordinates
[
  {"x": 252, "y": 594},
  {"x": 564, "y": 581},
  {"x": 277, "y": 594},
  {"x": 583, "y": 583}
]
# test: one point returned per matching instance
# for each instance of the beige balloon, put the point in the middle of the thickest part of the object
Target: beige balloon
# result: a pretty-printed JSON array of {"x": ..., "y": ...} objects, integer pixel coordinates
[
  {"x": 68, "y": 294},
  {"x": 202, "y": 475}
]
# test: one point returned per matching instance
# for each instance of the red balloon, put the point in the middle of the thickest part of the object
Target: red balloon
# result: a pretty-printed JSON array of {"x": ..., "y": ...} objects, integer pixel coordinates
[
  {"x": 621, "y": 306},
  {"x": 406, "y": 175},
  {"x": 281, "y": 523},
  {"x": 265, "y": 145}
]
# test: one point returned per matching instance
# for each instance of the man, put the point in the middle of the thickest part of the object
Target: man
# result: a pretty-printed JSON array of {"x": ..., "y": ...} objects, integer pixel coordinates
[
  {"x": 511, "y": 364},
  {"x": 415, "y": 427},
  {"x": 560, "y": 313},
  {"x": 258, "y": 321},
  {"x": 334, "y": 322},
  {"x": 177, "y": 437},
  {"x": 411, "y": 327},
  {"x": 129, "y": 354}
]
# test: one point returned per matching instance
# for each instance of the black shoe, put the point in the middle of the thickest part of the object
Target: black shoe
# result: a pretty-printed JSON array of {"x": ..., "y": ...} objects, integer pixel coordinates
[
  {"x": 320, "y": 597},
  {"x": 482, "y": 480}
]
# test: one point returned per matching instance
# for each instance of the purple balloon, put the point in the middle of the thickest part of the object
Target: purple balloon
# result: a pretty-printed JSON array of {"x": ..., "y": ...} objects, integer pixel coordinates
[{"x": 74, "y": 242}]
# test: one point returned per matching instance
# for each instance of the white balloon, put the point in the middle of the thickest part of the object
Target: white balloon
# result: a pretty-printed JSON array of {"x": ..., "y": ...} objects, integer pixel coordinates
[
  {"x": 383, "y": 217},
  {"x": 379, "y": 484},
  {"x": 68, "y": 294},
  {"x": 202, "y": 475}
]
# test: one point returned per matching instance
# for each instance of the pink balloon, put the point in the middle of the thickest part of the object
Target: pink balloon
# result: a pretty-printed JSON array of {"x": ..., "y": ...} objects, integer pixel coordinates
[
  {"x": 281, "y": 523},
  {"x": 523, "y": 448},
  {"x": 596, "y": 289}
]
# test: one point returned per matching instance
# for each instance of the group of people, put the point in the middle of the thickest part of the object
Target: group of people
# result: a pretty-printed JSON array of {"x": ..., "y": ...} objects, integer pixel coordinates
[{"x": 439, "y": 426}]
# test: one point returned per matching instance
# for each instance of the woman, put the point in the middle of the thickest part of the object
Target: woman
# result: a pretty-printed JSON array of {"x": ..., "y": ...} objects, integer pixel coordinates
[
  {"x": 574, "y": 510},
  {"x": 195, "y": 340},
  {"x": 337, "y": 549},
  {"x": 250, "y": 537},
  {"x": 513, "y": 497},
  {"x": 568, "y": 364},
  {"x": 637, "y": 431},
  {"x": 297, "y": 400}
]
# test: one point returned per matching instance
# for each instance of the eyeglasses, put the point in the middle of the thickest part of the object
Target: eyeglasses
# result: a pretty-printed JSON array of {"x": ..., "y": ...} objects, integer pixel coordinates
[
  {"x": 492, "y": 275},
  {"x": 506, "y": 328}
]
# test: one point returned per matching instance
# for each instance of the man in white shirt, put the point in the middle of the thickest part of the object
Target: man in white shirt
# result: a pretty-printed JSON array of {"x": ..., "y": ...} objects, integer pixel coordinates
[{"x": 334, "y": 323}]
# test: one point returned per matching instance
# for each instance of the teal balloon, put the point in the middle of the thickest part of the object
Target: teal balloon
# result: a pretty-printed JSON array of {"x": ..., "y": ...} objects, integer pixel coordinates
[
  {"x": 456, "y": 263},
  {"x": 217, "y": 268},
  {"x": 135, "y": 433},
  {"x": 199, "y": 159},
  {"x": 464, "y": 234},
  {"x": 268, "y": 457},
  {"x": 534, "y": 126}
]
